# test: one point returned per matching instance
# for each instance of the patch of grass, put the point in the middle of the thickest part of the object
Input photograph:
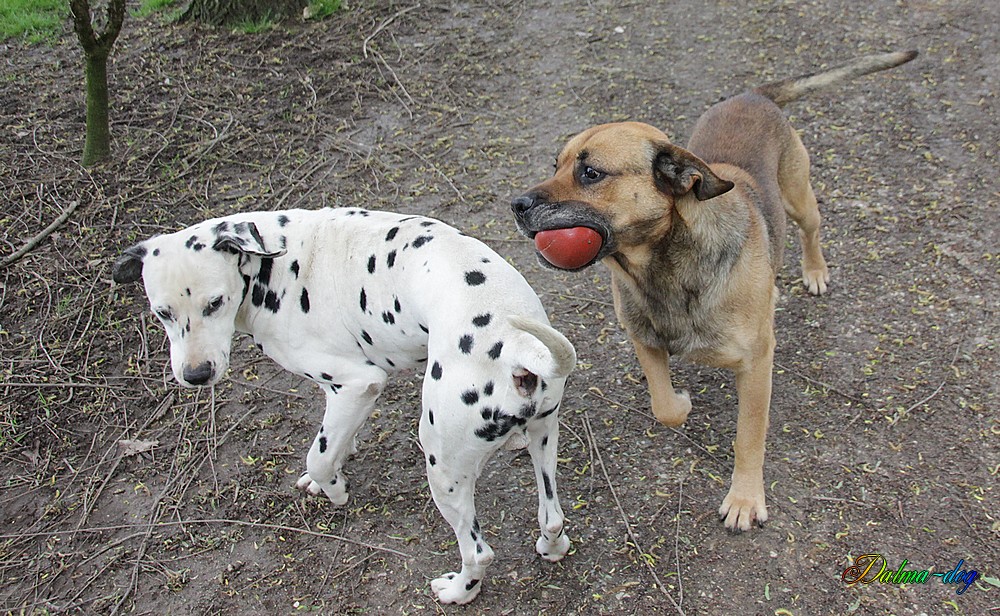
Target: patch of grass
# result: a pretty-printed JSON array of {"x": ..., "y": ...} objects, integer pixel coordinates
[
  {"x": 255, "y": 26},
  {"x": 36, "y": 20},
  {"x": 149, "y": 7},
  {"x": 318, "y": 9}
]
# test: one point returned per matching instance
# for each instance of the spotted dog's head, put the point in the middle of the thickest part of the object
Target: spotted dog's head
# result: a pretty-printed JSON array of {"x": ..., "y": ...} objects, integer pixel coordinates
[
  {"x": 195, "y": 288},
  {"x": 621, "y": 180}
]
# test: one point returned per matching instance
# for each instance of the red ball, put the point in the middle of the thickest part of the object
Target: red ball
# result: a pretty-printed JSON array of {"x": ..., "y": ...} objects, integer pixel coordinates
[{"x": 569, "y": 248}]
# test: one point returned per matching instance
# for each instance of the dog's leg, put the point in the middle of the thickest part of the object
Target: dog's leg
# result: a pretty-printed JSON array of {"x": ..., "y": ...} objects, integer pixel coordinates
[
  {"x": 800, "y": 205},
  {"x": 455, "y": 458},
  {"x": 745, "y": 500},
  {"x": 669, "y": 407},
  {"x": 348, "y": 405},
  {"x": 543, "y": 444}
]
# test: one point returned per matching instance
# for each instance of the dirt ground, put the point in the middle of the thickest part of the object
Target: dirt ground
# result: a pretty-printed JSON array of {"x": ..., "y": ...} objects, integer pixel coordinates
[{"x": 884, "y": 431}]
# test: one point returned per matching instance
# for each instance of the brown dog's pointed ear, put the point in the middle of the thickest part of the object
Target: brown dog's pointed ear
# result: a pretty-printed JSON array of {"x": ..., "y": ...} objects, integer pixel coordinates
[
  {"x": 677, "y": 172},
  {"x": 128, "y": 267}
]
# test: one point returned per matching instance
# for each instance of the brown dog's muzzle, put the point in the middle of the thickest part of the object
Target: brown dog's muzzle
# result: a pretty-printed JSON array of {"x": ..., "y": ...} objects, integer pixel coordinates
[{"x": 534, "y": 212}]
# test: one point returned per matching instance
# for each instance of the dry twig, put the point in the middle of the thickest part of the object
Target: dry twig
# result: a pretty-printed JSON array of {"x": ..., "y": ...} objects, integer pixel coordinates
[
  {"x": 44, "y": 233},
  {"x": 621, "y": 512}
]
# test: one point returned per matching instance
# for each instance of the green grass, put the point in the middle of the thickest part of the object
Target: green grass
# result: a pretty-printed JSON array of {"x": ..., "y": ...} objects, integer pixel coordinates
[
  {"x": 148, "y": 7},
  {"x": 318, "y": 9},
  {"x": 255, "y": 26},
  {"x": 43, "y": 20},
  {"x": 36, "y": 20}
]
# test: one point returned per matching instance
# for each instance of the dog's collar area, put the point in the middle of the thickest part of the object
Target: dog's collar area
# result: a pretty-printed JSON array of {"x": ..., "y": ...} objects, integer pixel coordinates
[{"x": 246, "y": 277}]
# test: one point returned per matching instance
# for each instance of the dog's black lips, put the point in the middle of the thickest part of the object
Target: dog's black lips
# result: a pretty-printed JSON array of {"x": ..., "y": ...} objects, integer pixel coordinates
[{"x": 566, "y": 215}]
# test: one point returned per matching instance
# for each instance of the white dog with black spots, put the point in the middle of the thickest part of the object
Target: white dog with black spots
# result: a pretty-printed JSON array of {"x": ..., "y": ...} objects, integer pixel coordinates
[{"x": 345, "y": 297}]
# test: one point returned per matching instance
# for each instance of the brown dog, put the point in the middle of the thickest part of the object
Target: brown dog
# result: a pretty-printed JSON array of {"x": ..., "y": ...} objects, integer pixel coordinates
[{"x": 693, "y": 238}]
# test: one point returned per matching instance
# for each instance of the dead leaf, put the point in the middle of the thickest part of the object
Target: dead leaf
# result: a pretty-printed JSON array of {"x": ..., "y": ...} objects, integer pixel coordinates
[{"x": 131, "y": 448}]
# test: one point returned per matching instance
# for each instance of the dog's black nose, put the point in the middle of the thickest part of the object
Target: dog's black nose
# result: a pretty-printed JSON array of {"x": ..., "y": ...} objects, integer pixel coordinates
[
  {"x": 524, "y": 203},
  {"x": 199, "y": 375}
]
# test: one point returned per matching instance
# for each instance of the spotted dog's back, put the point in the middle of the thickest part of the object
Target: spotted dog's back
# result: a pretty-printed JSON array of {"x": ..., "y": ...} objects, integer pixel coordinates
[{"x": 451, "y": 282}]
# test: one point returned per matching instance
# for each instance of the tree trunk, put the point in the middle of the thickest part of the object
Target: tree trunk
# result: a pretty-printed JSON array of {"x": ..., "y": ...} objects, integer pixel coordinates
[
  {"x": 229, "y": 12},
  {"x": 97, "y": 147},
  {"x": 96, "y": 50}
]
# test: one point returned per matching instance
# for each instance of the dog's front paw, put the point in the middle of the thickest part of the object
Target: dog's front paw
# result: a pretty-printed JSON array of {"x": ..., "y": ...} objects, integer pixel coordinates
[
  {"x": 741, "y": 507},
  {"x": 553, "y": 549},
  {"x": 336, "y": 489},
  {"x": 672, "y": 410},
  {"x": 455, "y": 588}
]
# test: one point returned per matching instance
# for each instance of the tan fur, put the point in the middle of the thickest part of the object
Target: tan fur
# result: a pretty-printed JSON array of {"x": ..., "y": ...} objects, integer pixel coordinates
[{"x": 694, "y": 238}]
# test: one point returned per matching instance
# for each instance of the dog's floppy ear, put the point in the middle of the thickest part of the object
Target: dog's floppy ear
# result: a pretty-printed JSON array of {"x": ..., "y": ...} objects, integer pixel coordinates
[
  {"x": 128, "y": 267},
  {"x": 677, "y": 171},
  {"x": 242, "y": 237}
]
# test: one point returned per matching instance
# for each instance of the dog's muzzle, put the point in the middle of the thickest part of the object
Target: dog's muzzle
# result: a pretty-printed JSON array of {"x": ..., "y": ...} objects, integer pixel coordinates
[{"x": 534, "y": 212}]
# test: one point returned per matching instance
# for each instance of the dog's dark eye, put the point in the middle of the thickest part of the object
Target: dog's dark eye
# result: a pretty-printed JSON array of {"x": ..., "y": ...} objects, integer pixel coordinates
[
  {"x": 165, "y": 314},
  {"x": 589, "y": 175},
  {"x": 212, "y": 306}
]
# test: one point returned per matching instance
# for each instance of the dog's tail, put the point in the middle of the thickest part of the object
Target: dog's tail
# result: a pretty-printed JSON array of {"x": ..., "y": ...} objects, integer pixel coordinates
[
  {"x": 788, "y": 90},
  {"x": 538, "y": 348}
]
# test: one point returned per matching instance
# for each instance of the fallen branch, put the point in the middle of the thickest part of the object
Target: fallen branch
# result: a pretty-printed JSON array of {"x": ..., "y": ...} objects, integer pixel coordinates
[{"x": 11, "y": 258}]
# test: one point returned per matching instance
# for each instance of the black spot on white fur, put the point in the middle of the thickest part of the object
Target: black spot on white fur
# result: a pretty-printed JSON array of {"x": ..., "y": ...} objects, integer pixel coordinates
[
  {"x": 465, "y": 343},
  {"x": 495, "y": 350},
  {"x": 436, "y": 371},
  {"x": 475, "y": 278},
  {"x": 271, "y": 301},
  {"x": 304, "y": 301},
  {"x": 482, "y": 320}
]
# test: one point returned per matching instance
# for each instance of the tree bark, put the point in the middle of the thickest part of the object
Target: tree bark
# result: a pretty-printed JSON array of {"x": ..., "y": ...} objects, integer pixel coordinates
[{"x": 96, "y": 50}]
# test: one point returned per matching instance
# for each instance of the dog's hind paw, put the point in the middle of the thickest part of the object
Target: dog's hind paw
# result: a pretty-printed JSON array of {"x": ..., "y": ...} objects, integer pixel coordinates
[
  {"x": 553, "y": 550},
  {"x": 816, "y": 280},
  {"x": 455, "y": 588},
  {"x": 740, "y": 510},
  {"x": 336, "y": 491}
]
